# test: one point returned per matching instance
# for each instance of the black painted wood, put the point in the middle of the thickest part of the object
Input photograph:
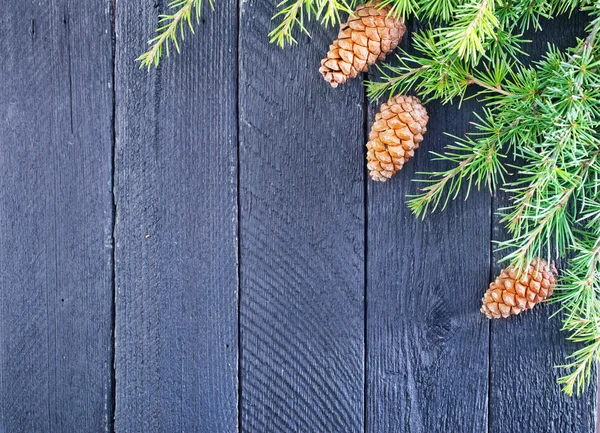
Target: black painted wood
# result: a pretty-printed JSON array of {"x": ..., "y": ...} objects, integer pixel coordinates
[
  {"x": 176, "y": 194},
  {"x": 56, "y": 216},
  {"x": 302, "y": 231},
  {"x": 524, "y": 395},
  {"x": 427, "y": 344}
]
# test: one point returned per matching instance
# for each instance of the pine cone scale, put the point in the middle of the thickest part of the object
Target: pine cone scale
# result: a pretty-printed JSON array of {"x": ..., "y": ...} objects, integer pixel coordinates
[
  {"x": 509, "y": 295},
  {"x": 368, "y": 36},
  {"x": 397, "y": 131}
]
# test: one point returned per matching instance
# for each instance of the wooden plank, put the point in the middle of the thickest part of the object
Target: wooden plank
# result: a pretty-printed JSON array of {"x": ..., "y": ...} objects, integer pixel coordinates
[
  {"x": 56, "y": 287},
  {"x": 427, "y": 344},
  {"x": 524, "y": 350},
  {"x": 176, "y": 192},
  {"x": 524, "y": 395},
  {"x": 302, "y": 216}
]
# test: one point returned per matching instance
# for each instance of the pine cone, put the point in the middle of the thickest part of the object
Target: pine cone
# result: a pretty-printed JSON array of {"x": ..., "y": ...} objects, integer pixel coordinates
[
  {"x": 509, "y": 295},
  {"x": 398, "y": 129},
  {"x": 367, "y": 37}
]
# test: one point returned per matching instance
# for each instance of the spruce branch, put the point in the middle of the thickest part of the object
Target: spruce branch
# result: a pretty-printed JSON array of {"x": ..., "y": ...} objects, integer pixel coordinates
[
  {"x": 477, "y": 161},
  {"x": 294, "y": 13},
  {"x": 579, "y": 296},
  {"x": 172, "y": 26},
  {"x": 405, "y": 8},
  {"x": 473, "y": 24}
]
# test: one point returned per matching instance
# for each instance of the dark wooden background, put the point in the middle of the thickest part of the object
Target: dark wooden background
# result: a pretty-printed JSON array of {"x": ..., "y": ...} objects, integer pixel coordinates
[{"x": 198, "y": 248}]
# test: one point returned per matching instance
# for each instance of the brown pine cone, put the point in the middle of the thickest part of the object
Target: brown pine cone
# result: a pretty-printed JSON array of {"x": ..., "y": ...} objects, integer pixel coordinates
[
  {"x": 367, "y": 37},
  {"x": 510, "y": 295},
  {"x": 398, "y": 129}
]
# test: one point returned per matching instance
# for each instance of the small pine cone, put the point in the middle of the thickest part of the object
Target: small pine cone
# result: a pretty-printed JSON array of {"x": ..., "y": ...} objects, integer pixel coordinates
[
  {"x": 510, "y": 295},
  {"x": 398, "y": 129},
  {"x": 367, "y": 37}
]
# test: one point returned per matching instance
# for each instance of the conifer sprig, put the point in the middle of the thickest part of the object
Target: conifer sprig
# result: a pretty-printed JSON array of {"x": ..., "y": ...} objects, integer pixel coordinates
[
  {"x": 474, "y": 24},
  {"x": 170, "y": 28},
  {"x": 579, "y": 296},
  {"x": 477, "y": 161},
  {"x": 294, "y": 13},
  {"x": 478, "y": 25}
]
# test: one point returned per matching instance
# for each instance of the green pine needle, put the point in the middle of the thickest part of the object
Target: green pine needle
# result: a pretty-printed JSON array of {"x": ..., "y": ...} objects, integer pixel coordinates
[
  {"x": 295, "y": 13},
  {"x": 171, "y": 27}
]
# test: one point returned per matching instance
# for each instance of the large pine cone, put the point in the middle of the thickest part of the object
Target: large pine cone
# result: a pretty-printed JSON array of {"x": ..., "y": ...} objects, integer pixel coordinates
[
  {"x": 398, "y": 129},
  {"x": 509, "y": 295},
  {"x": 367, "y": 37}
]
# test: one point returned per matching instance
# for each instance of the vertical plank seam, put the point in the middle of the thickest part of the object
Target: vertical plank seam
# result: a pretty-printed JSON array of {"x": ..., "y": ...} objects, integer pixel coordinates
[
  {"x": 111, "y": 426},
  {"x": 68, "y": 32},
  {"x": 365, "y": 252},
  {"x": 489, "y": 322},
  {"x": 239, "y": 220}
]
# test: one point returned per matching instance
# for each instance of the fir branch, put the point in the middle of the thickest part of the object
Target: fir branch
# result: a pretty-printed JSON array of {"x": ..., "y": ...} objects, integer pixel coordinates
[
  {"x": 471, "y": 79},
  {"x": 405, "y": 8},
  {"x": 294, "y": 13},
  {"x": 579, "y": 298},
  {"x": 439, "y": 10},
  {"x": 171, "y": 26},
  {"x": 477, "y": 161},
  {"x": 473, "y": 24}
]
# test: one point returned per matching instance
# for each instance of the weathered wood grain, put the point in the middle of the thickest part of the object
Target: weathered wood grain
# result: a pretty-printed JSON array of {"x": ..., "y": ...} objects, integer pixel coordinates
[
  {"x": 176, "y": 228},
  {"x": 56, "y": 216},
  {"x": 524, "y": 395},
  {"x": 427, "y": 344},
  {"x": 524, "y": 350},
  {"x": 302, "y": 215}
]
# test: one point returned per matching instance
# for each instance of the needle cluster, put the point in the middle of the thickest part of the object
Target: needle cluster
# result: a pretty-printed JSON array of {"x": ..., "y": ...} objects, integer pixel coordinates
[{"x": 172, "y": 27}]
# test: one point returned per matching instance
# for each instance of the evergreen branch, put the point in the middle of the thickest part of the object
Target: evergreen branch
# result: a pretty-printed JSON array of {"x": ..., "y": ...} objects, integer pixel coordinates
[
  {"x": 446, "y": 186},
  {"x": 579, "y": 378},
  {"x": 543, "y": 119},
  {"x": 592, "y": 38},
  {"x": 474, "y": 23},
  {"x": 170, "y": 27},
  {"x": 294, "y": 13},
  {"x": 548, "y": 113},
  {"x": 550, "y": 219},
  {"x": 434, "y": 73},
  {"x": 563, "y": 6},
  {"x": 477, "y": 162},
  {"x": 579, "y": 299},
  {"x": 440, "y": 10},
  {"x": 494, "y": 89},
  {"x": 404, "y": 8},
  {"x": 547, "y": 222}
]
